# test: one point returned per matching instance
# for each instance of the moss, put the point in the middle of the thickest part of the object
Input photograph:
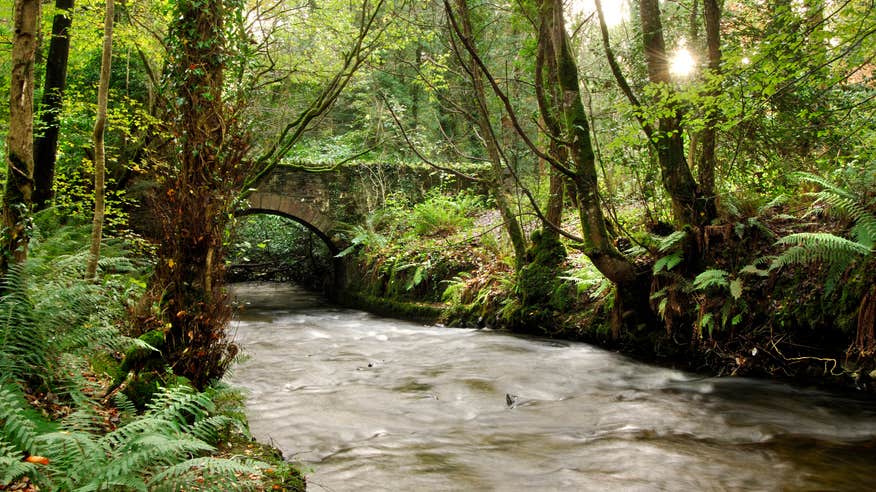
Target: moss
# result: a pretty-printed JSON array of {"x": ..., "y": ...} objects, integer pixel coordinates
[
  {"x": 280, "y": 475},
  {"x": 414, "y": 311},
  {"x": 105, "y": 363},
  {"x": 541, "y": 293},
  {"x": 136, "y": 357},
  {"x": 141, "y": 387}
]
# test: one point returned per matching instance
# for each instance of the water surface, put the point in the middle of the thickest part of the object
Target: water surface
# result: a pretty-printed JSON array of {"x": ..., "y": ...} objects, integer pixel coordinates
[{"x": 370, "y": 403}]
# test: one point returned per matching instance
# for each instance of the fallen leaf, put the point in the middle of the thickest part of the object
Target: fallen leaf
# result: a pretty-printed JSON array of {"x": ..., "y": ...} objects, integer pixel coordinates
[{"x": 39, "y": 460}]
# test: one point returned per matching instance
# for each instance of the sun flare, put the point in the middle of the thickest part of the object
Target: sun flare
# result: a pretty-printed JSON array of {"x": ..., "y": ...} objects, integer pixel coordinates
[{"x": 682, "y": 62}]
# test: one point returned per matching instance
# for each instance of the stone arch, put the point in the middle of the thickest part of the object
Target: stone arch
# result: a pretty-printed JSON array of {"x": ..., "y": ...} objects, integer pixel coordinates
[
  {"x": 339, "y": 266},
  {"x": 310, "y": 210}
]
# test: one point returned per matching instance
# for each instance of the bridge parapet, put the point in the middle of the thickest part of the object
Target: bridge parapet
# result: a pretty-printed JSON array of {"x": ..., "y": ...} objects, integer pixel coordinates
[{"x": 326, "y": 200}]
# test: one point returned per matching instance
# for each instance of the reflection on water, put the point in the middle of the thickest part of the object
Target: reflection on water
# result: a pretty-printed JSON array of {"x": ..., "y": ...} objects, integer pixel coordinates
[{"x": 371, "y": 403}]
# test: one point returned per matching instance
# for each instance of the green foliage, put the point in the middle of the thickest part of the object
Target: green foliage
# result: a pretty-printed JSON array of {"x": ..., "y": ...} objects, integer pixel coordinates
[
  {"x": 276, "y": 248},
  {"x": 668, "y": 262},
  {"x": 53, "y": 323},
  {"x": 712, "y": 278},
  {"x": 364, "y": 236},
  {"x": 158, "y": 450},
  {"x": 455, "y": 288},
  {"x": 829, "y": 249},
  {"x": 23, "y": 345},
  {"x": 441, "y": 214}
]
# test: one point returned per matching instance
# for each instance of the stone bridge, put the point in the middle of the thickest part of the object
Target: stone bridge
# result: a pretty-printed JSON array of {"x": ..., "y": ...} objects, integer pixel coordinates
[{"x": 327, "y": 201}]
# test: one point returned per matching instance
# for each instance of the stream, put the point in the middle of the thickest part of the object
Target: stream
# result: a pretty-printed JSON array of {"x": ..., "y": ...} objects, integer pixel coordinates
[{"x": 367, "y": 403}]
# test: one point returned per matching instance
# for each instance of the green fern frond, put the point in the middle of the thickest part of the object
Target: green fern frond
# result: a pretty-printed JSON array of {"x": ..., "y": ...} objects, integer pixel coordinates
[
  {"x": 847, "y": 203},
  {"x": 671, "y": 241},
  {"x": 809, "y": 247},
  {"x": 143, "y": 425},
  {"x": 668, "y": 262},
  {"x": 864, "y": 230},
  {"x": 116, "y": 264},
  {"x": 219, "y": 475},
  {"x": 124, "y": 404},
  {"x": 73, "y": 456},
  {"x": 825, "y": 184},
  {"x": 23, "y": 345},
  {"x": 776, "y": 202},
  {"x": 711, "y": 278},
  {"x": 179, "y": 404},
  {"x": 752, "y": 269},
  {"x": 12, "y": 469},
  {"x": 211, "y": 428},
  {"x": 15, "y": 428}
]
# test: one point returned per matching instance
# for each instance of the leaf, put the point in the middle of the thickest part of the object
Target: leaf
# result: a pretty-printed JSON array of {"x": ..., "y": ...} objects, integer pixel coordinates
[
  {"x": 710, "y": 278},
  {"x": 736, "y": 288},
  {"x": 668, "y": 262}
]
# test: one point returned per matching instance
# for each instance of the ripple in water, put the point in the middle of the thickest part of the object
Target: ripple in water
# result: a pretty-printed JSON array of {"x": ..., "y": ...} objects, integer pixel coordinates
[{"x": 371, "y": 403}]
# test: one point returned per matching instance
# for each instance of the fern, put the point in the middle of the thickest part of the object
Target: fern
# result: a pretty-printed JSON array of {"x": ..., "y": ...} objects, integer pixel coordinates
[
  {"x": 211, "y": 428},
  {"x": 12, "y": 469},
  {"x": 776, "y": 202},
  {"x": 711, "y": 278},
  {"x": 15, "y": 428},
  {"x": 23, "y": 345},
  {"x": 834, "y": 251},
  {"x": 455, "y": 288},
  {"x": 843, "y": 202},
  {"x": 217, "y": 474},
  {"x": 671, "y": 241},
  {"x": 809, "y": 247},
  {"x": 50, "y": 321},
  {"x": 668, "y": 262},
  {"x": 141, "y": 454}
]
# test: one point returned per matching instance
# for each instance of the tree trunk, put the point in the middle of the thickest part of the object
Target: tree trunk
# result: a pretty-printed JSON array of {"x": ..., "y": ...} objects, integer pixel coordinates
[
  {"x": 208, "y": 169},
  {"x": 557, "y": 184},
  {"x": 707, "y": 161},
  {"x": 548, "y": 94},
  {"x": 497, "y": 184},
  {"x": 46, "y": 143},
  {"x": 687, "y": 205},
  {"x": 632, "y": 286},
  {"x": 19, "y": 139},
  {"x": 99, "y": 148}
]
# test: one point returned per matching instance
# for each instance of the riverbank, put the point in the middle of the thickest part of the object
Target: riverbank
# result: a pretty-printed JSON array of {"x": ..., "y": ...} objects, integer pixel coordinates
[{"x": 727, "y": 307}]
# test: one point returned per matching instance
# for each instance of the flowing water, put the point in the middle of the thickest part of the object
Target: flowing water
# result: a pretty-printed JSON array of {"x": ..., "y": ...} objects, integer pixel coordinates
[{"x": 369, "y": 403}]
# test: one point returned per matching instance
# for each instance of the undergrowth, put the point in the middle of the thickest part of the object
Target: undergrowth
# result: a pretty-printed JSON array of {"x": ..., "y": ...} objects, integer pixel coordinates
[{"x": 60, "y": 428}]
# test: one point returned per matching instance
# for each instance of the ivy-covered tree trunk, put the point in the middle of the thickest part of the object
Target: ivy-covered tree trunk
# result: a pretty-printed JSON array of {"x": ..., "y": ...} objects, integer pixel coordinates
[
  {"x": 99, "y": 147},
  {"x": 554, "y": 46},
  {"x": 198, "y": 195},
  {"x": 19, "y": 138},
  {"x": 688, "y": 207},
  {"x": 46, "y": 142}
]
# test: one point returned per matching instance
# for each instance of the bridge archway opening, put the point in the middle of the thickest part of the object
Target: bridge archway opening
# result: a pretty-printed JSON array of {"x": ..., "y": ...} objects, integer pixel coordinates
[{"x": 273, "y": 245}]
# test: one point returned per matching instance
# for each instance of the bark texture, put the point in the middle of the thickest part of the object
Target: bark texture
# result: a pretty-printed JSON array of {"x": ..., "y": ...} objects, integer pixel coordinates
[
  {"x": 632, "y": 309},
  {"x": 99, "y": 147},
  {"x": 46, "y": 142},
  {"x": 687, "y": 205},
  {"x": 707, "y": 160},
  {"x": 19, "y": 139}
]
